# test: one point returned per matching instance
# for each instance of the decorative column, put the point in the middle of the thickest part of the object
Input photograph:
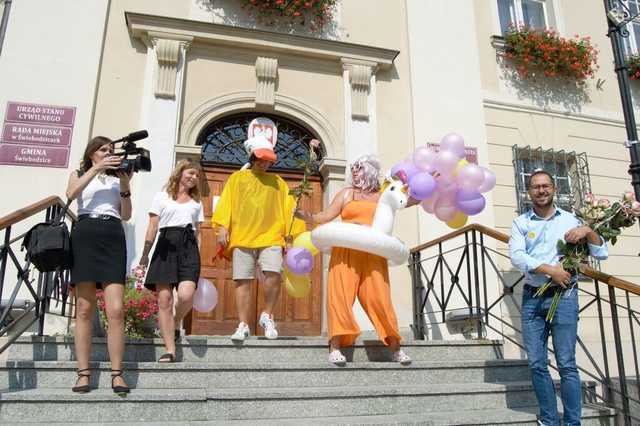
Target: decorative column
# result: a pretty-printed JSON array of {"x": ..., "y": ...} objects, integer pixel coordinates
[
  {"x": 266, "y": 75},
  {"x": 360, "y": 105},
  {"x": 160, "y": 115}
]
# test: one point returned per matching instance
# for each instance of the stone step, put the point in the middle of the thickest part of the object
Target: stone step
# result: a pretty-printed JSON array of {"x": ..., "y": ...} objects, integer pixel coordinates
[
  {"x": 155, "y": 405},
  {"x": 149, "y": 375},
  {"x": 221, "y": 349}
]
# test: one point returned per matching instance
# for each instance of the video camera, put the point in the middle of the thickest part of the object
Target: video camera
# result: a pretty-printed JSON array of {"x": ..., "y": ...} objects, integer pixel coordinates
[{"x": 134, "y": 159}]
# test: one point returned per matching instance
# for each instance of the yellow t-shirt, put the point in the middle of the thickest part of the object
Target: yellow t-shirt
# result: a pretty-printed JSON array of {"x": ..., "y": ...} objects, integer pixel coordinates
[{"x": 257, "y": 210}]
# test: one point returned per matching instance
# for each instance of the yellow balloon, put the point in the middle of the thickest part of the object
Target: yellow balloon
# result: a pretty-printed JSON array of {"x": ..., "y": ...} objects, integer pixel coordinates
[
  {"x": 304, "y": 240},
  {"x": 463, "y": 162},
  {"x": 297, "y": 286},
  {"x": 458, "y": 221}
]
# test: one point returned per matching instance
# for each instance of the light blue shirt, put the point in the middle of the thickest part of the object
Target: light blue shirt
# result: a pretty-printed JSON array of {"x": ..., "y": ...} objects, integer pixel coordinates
[{"x": 534, "y": 241}]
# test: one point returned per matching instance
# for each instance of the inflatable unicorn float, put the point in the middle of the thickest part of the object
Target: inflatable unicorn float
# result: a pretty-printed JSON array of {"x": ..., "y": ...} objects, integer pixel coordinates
[{"x": 375, "y": 239}]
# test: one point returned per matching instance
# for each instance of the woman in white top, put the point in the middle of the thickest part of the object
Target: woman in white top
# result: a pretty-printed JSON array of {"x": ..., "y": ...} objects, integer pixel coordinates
[
  {"x": 175, "y": 263},
  {"x": 99, "y": 254}
]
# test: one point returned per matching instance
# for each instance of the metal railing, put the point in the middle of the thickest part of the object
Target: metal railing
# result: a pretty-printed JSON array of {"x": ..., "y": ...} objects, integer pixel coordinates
[
  {"x": 461, "y": 273},
  {"x": 18, "y": 315}
]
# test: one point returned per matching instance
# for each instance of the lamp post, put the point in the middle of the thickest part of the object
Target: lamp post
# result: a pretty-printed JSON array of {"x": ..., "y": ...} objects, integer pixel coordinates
[{"x": 618, "y": 16}]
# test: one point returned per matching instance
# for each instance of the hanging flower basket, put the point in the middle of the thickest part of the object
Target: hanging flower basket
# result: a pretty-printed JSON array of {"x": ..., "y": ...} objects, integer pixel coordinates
[
  {"x": 545, "y": 53},
  {"x": 316, "y": 13},
  {"x": 633, "y": 62}
]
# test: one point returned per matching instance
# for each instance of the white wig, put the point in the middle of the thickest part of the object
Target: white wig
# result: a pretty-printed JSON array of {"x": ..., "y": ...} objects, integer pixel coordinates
[{"x": 370, "y": 179}]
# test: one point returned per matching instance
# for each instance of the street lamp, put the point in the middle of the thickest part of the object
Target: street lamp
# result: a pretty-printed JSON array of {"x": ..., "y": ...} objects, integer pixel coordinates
[{"x": 618, "y": 16}]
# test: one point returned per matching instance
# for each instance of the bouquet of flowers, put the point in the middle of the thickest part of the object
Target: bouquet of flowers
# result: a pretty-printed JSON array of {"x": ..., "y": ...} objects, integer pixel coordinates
[
  {"x": 608, "y": 220},
  {"x": 308, "y": 166},
  {"x": 140, "y": 306}
]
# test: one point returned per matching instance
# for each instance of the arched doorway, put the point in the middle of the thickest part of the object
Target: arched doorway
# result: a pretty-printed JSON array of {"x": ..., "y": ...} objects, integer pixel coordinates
[{"x": 222, "y": 154}]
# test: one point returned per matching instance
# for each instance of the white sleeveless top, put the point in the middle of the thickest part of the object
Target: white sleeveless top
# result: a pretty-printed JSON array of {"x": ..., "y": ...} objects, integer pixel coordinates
[{"x": 100, "y": 196}]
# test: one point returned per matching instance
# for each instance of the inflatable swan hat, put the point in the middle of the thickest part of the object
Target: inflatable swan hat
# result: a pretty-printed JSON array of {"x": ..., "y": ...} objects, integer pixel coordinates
[{"x": 263, "y": 136}]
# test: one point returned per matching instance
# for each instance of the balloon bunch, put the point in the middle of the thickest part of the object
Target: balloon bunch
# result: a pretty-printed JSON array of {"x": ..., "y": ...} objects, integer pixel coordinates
[
  {"x": 298, "y": 265},
  {"x": 444, "y": 182}
]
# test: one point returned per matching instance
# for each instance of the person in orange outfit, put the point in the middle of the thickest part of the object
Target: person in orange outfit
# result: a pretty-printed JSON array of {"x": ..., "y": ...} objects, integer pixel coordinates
[
  {"x": 254, "y": 218},
  {"x": 354, "y": 273}
]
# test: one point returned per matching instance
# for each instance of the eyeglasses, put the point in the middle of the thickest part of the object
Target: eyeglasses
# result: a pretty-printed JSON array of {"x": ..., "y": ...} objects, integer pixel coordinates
[{"x": 538, "y": 188}]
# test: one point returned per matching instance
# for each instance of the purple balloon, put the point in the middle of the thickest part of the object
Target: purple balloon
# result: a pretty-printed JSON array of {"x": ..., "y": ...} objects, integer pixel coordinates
[
  {"x": 299, "y": 260},
  {"x": 421, "y": 186},
  {"x": 444, "y": 209},
  {"x": 453, "y": 142},
  {"x": 470, "y": 177},
  {"x": 206, "y": 296},
  {"x": 489, "y": 180},
  {"x": 409, "y": 168},
  {"x": 446, "y": 162},
  {"x": 470, "y": 202},
  {"x": 424, "y": 158}
]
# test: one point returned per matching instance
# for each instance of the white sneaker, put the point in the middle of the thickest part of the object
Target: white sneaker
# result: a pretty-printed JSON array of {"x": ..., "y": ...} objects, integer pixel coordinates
[
  {"x": 336, "y": 358},
  {"x": 242, "y": 332},
  {"x": 401, "y": 357},
  {"x": 269, "y": 325}
]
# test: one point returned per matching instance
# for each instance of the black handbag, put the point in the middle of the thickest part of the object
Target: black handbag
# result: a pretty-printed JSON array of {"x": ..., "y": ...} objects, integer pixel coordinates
[{"x": 48, "y": 244}]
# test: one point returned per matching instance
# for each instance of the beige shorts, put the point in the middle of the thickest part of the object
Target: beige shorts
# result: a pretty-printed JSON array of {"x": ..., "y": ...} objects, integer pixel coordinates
[{"x": 245, "y": 259}]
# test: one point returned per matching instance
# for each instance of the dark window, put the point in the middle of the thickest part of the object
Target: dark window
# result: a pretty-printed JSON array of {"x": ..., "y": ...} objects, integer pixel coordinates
[{"x": 222, "y": 141}]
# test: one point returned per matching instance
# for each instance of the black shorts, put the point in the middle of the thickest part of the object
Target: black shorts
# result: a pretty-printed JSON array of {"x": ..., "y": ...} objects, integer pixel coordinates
[
  {"x": 176, "y": 258},
  {"x": 99, "y": 251}
]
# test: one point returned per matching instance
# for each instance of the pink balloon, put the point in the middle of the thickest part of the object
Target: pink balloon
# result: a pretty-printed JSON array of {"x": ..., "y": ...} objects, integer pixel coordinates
[
  {"x": 446, "y": 162},
  {"x": 470, "y": 177},
  {"x": 299, "y": 260},
  {"x": 489, "y": 181},
  {"x": 444, "y": 209},
  {"x": 424, "y": 158},
  {"x": 429, "y": 204},
  {"x": 421, "y": 186},
  {"x": 453, "y": 142},
  {"x": 446, "y": 185},
  {"x": 409, "y": 168},
  {"x": 205, "y": 297}
]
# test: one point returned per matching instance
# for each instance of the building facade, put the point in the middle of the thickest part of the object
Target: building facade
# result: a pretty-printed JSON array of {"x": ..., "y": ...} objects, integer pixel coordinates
[{"x": 383, "y": 78}]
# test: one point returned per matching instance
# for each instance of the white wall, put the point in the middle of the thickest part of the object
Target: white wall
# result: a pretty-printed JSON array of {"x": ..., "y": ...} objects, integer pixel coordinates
[{"x": 51, "y": 55}]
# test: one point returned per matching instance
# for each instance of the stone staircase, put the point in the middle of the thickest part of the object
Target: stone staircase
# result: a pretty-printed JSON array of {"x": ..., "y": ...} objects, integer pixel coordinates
[{"x": 282, "y": 382}]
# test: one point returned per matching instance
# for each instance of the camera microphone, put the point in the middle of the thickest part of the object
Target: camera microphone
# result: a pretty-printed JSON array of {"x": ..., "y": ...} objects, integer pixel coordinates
[{"x": 135, "y": 136}]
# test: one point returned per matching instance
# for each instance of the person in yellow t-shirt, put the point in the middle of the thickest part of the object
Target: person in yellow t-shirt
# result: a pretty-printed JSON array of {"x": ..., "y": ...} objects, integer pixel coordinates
[{"x": 254, "y": 220}]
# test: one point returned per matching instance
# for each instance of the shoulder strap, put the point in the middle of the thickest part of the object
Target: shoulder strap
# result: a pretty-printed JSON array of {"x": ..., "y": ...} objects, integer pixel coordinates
[{"x": 60, "y": 216}]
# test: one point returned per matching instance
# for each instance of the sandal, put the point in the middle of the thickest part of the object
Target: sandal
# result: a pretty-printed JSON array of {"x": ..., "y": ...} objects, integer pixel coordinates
[
  {"x": 401, "y": 357},
  {"x": 82, "y": 388},
  {"x": 118, "y": 389},
  {"x": 167, "y": 358},
  {"x": 336, "y": 358}
]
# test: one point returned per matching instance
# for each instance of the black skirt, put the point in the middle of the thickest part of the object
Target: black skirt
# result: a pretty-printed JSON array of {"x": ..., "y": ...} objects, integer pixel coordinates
[
  {"x": 176, "y": 258},
  {"x": 99, "y": 251}
]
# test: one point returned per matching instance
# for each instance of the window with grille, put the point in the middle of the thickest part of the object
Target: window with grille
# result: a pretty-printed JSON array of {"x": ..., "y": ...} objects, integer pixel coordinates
[
  {"x": 532, "y": 13},
  {"x": 222, "y": 141},
  {"x": 570, "y": 172},
  {"x": 632, "y": 43}
]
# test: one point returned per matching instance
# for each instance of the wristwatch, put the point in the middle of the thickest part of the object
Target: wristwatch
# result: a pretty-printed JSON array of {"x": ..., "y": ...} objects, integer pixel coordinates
[{"x": 125, "y": 194}]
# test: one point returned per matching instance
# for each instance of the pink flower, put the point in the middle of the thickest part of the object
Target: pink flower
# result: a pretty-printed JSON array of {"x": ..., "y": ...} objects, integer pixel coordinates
[
  {"x": 629, "y": 196},
  {"x": 314, "y": 143},
  {"x": 604, "y": 203},
  {"x": 589, "y": 197},
  {"x": 635, "y": 208}
]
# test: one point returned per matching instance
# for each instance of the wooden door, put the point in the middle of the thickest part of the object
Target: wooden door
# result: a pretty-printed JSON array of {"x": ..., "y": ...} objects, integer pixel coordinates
[{"x": 294, "y": 317}]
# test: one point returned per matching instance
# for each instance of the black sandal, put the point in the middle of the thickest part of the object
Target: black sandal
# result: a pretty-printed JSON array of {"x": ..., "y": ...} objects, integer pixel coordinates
[
  {"x": 167, "y": 358},
  {"x": 118, "y": 389},
  {"x": 82, "y": 388}
]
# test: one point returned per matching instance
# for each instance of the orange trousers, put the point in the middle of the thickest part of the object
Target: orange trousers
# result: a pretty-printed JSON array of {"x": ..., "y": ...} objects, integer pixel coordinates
[{"x": 355, "y": 273}]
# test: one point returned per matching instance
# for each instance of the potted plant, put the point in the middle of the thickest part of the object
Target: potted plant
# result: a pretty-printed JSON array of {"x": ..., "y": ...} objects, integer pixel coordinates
[
  {"x": 545, "y": 53},
  {"x": 316, "y": 13}
]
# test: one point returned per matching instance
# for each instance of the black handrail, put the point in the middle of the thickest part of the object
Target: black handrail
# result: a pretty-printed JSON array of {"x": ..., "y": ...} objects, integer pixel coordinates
[
  {"x": 446, "y": 258},
  {"x": 49, "y": 284}
]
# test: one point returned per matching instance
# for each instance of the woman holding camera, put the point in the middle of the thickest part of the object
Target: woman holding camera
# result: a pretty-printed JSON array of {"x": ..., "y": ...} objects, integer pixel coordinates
[
  {"x": 99, "y": 254},
  {"x": 177, "y": 213}
]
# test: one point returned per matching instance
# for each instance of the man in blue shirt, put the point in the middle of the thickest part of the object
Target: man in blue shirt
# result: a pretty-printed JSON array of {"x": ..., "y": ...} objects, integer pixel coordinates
[{"x": 533, "y": 249}]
